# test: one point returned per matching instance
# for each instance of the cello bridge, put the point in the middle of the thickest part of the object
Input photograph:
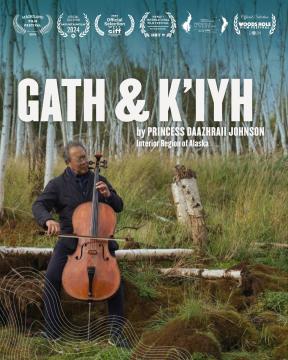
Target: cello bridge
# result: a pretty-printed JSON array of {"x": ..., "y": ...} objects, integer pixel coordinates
[{"x": 92, "y": 252}]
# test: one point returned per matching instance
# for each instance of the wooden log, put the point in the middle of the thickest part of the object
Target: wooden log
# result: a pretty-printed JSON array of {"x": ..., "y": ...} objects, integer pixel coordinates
[
  {"x": 189, "y": 208},
  {"x": 6, "y": 250},
  {"x": 159, "y": 254},
  {"x": 129, "y": 254},
  {"x": 192, "y": 196},
  {"x": 202, "y": 273},
  {"x": 180, "y": 203},
  {"x": 267, "y": 245}
]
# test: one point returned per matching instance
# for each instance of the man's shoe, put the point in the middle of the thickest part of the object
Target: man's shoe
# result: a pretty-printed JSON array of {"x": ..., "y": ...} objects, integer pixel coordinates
[{"x": 119, "y": 341}]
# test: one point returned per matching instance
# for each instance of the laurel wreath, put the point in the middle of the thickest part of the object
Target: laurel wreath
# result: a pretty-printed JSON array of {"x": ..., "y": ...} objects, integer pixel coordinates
[
  {"x": 59, "y": 28},
  {"x": 87, "y": 26},
  {"x": 98, "y": 30},
  {"x": 173, "y": 24},
  {"x": 82, "y": 33},
  {"x": 142, "y": 24},
  {"x": 18, "y": 28},
  {"x": 273, "y": 25},
  {"x": 45, "y": 29},
  {"x": 236, "y": 27},
  {"x": 129, "y": 31},
  {"x": 21, "y": 30}
]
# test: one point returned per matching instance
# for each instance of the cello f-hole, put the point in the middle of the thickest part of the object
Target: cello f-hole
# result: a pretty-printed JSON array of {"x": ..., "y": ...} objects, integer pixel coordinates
[
  {"x": 81, "y": 253},
  {"x": 106, "y": 258}
]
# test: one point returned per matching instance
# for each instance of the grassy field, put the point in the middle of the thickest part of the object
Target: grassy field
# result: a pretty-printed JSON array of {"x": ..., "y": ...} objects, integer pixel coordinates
[{"x": 245, "y": 201}]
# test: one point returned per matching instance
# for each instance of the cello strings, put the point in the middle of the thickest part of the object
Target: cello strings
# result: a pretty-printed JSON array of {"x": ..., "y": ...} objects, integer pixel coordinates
[{"x": 94, "y": 227}]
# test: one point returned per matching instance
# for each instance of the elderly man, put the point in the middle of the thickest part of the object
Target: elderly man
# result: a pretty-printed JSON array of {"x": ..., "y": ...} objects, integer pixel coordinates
[{"x": 63, "y": 194}]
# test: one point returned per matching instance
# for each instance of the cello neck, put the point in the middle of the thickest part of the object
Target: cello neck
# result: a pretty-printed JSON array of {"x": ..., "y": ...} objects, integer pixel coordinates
[{"x": 95, "y": 199}]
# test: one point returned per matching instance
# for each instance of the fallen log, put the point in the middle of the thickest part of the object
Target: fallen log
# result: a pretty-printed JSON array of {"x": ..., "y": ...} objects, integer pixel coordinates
[
  {"x": 24, "y": 250},
  {"x": 203, "y": 273},
  {"x": 161, "y": 254},
  {"x": 277, "y": 245},
  {"x": 129, "y": 254}
]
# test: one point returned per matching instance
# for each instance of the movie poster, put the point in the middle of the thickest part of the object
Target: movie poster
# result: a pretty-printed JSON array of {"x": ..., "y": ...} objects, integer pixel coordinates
[{"x": 143, "y": 180}]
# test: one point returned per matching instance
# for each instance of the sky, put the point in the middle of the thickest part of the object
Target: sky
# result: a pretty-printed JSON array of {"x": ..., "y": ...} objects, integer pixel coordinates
[{"x": 192, "y": 44}]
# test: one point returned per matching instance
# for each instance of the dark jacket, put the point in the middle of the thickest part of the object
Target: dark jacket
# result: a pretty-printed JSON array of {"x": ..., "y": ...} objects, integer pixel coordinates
[{"x": 63, "y": 194}]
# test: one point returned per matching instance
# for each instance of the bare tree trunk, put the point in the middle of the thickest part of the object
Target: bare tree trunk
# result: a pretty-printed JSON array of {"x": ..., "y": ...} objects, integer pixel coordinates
[
  {"x": 180, "y": 203},
  {"x": 7, "y": 101},
  {"x": 14, "y": 118},
  {"x": 50, "y": 140},
  {"x": 20, "y": 125},
  {"x": 63, "y": 124},
  {"x": 3, "y": 21},
  {"x": 187, "y": 199}
]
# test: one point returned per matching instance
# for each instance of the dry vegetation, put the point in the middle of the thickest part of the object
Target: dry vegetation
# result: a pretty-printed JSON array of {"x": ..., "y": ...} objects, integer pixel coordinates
[{"x": 245, "y": 200}]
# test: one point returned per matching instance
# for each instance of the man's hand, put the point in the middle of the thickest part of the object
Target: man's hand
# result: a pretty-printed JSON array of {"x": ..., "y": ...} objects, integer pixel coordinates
[
  {"x": 103, "y": 188},
  {"x": 53, "y": 227}
]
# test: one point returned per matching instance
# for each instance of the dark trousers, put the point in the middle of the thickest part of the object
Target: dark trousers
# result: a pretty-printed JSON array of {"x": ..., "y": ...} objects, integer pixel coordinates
[{"x": 53, "y": 314}]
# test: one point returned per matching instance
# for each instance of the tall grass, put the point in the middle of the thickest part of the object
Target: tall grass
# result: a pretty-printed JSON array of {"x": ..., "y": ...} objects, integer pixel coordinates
[
  {"x": 245, "y": 200},
  {"x": 17, "y": 189}
]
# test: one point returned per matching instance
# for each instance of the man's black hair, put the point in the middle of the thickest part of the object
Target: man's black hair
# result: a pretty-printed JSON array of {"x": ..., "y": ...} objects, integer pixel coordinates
[{"x": 71, "y": 144}]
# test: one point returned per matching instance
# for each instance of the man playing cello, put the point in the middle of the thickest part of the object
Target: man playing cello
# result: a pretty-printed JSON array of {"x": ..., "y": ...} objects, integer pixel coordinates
[{"x": 63, "y": 194}]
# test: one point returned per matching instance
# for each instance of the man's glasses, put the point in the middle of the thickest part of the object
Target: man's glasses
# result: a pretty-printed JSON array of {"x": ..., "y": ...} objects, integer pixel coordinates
[{"x": 80, "y": 159}]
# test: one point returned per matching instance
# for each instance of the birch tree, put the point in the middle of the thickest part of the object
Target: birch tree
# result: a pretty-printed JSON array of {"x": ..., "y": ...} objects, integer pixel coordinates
[
  {"x": 20, "y": 126},
  {"x": 7, "y": 100},
  {"x": 50, "y": 140}
]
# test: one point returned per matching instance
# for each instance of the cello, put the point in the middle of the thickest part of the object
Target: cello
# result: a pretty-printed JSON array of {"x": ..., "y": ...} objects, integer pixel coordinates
[{"x": 91, "y": 272}]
